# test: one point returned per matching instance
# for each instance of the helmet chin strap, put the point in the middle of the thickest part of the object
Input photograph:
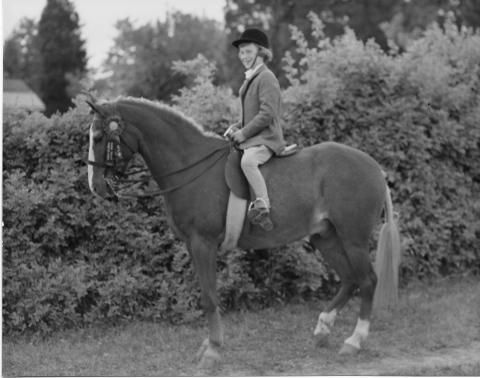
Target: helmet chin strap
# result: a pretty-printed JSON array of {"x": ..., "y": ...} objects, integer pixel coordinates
[{"x": 254, "y": 61}]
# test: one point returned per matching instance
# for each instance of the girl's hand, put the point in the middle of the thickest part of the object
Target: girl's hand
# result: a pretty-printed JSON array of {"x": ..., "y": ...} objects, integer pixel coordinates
[
  {"x": 231, "y": 129},
  {"x": 238, "y": 137}
]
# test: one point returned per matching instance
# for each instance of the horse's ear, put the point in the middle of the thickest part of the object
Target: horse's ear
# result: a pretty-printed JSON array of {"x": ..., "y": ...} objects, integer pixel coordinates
[
  {"x": 92, "y": 102},
  {"x": 90, "y": 96},
  {"x": 96, "y": 108}
]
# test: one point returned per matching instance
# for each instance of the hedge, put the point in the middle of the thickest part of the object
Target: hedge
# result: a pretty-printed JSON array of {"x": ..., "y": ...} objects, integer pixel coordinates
[
  {"x": 418, "y": 115},
  {"x": 71, "y": 259}
]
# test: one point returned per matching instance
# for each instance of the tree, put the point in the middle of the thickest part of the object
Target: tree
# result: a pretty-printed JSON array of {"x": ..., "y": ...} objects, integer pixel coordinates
[
  {"x": 141, "y": 59},
  {"x": 12, "y": 57},
  {"x": 62, "y": 53},
  {"x": 21, "y": 57},
  {"x": 469, "y": 11},
  {"x": 385, "y": 21},
  {"x": 275, "y": 16},
  {"x": 411, "y": 18}
]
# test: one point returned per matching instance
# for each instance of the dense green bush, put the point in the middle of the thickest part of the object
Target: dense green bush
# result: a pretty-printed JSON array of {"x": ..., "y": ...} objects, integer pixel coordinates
[
  {"x": 418, "y": 115},
  {"x": 70, "y": 259},
  {"x": 212, "y": 106}
]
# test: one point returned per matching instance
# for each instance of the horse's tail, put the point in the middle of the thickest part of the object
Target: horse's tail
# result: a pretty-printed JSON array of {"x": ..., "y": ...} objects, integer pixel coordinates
[{"x": 387, "y": 260}]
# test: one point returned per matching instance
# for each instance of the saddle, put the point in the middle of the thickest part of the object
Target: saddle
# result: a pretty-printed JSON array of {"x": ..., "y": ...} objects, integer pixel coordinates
[{"x": 236, "y": 180}]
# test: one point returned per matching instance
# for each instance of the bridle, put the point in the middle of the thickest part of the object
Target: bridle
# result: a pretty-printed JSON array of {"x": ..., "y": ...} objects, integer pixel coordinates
[{"x": 114, "y": 127}]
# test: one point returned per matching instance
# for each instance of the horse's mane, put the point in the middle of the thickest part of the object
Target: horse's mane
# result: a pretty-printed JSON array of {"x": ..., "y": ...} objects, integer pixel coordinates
[{"x": 168, "y": 113}]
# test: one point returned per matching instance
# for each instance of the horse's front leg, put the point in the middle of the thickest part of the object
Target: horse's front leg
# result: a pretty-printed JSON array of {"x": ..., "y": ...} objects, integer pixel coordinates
[{"x": 203, "y": 254}]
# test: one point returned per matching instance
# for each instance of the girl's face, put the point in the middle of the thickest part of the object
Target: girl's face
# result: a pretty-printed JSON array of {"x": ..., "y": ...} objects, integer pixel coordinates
[{"x": 247, "y": 52}]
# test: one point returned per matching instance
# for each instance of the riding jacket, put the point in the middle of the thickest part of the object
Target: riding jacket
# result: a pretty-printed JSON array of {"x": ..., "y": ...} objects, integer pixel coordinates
[{"x": 261, "y": 111}]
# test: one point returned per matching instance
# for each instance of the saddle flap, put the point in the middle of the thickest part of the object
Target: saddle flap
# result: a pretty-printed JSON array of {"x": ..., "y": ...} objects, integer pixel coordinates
[{"x": 234, "y": 176}]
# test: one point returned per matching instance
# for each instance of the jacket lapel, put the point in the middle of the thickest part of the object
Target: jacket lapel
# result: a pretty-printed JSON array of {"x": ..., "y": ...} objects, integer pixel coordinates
[{"x": 243, "y": 89}]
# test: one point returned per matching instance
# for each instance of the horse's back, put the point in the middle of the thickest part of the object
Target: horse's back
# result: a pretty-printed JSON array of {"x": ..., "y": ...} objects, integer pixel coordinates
[
  {"x": 331, "y": 163},
  {"x": 344, "y": 163}
]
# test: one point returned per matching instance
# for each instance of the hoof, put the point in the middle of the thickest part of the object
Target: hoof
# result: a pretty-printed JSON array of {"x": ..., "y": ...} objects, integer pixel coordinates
[
  {"x": 208, "y": 356},
  {"x": 322, "y": 340},
  {"x": 202, "y": 349},
  {"x": 210, "y": 359},
  {"x": 348, "y": 350}
]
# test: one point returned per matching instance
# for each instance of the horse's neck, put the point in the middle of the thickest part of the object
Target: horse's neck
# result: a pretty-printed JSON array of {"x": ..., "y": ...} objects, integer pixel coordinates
[{"x": 167, "y": 148}]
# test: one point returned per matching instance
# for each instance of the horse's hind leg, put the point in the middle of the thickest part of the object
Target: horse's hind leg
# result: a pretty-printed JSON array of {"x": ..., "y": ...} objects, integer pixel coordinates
[
  {"x": 204, "y": 258},
  {"x": 329, "y": 244},
  {"x": 365, "y": 277}
]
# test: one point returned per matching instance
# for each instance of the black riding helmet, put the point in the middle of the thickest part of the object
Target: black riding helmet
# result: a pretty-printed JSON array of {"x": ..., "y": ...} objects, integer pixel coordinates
[{"x": 252, "y": 35}]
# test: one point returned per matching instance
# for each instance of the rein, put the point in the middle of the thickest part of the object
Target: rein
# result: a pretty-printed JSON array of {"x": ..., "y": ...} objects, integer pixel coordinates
[{"x": 225, "y": 149}]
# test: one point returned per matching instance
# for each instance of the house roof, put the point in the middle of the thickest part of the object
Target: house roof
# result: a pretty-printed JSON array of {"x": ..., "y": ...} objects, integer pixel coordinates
[{"x": 17, "y": 94}]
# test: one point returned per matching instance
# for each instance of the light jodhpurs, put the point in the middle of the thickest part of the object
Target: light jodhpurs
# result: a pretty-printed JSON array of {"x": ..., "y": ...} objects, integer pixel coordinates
[{"x": 251, "y": 159}]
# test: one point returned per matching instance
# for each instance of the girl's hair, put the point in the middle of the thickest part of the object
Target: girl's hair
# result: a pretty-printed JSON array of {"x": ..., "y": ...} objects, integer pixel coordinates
[{"x": 265, "y": 53}]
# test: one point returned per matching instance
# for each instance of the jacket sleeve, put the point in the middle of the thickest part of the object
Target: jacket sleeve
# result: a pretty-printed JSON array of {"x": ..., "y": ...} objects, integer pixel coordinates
[{"x": 269, "y": 98}]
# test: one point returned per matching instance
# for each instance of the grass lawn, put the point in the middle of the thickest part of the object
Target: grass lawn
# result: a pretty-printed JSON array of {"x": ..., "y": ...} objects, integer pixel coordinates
[{"x": 436, "y": 331}]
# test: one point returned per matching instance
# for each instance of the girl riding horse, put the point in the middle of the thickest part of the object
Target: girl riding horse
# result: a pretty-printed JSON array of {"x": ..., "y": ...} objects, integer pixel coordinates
[{"x": 259, "y": 133}]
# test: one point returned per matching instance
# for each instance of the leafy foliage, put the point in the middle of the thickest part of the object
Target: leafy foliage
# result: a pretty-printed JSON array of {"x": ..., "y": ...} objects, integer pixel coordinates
[
  {"x": 21, "y": 58},
  {"x": 387, "y": 22},
  {"x": 71, "y": 259},
  {"x": 415, "y": 113},
  {"x": 141, "y": 57},
  {"x": 212, "y": 106}
]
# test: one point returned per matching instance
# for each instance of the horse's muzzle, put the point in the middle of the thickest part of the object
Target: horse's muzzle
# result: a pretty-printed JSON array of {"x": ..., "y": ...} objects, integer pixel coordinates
[{"x": 102, "y": 187}]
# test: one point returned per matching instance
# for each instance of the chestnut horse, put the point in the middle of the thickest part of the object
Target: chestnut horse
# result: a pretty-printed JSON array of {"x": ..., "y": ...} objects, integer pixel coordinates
[{"x": 330, "y": 193}]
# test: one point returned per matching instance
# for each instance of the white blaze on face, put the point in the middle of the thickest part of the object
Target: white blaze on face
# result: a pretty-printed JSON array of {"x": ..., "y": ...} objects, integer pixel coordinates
[{"x": 91, "y": 157}]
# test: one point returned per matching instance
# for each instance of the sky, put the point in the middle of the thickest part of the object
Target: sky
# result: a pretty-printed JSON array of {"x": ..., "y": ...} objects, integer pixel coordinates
[{"x": 98, "y": 17}]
